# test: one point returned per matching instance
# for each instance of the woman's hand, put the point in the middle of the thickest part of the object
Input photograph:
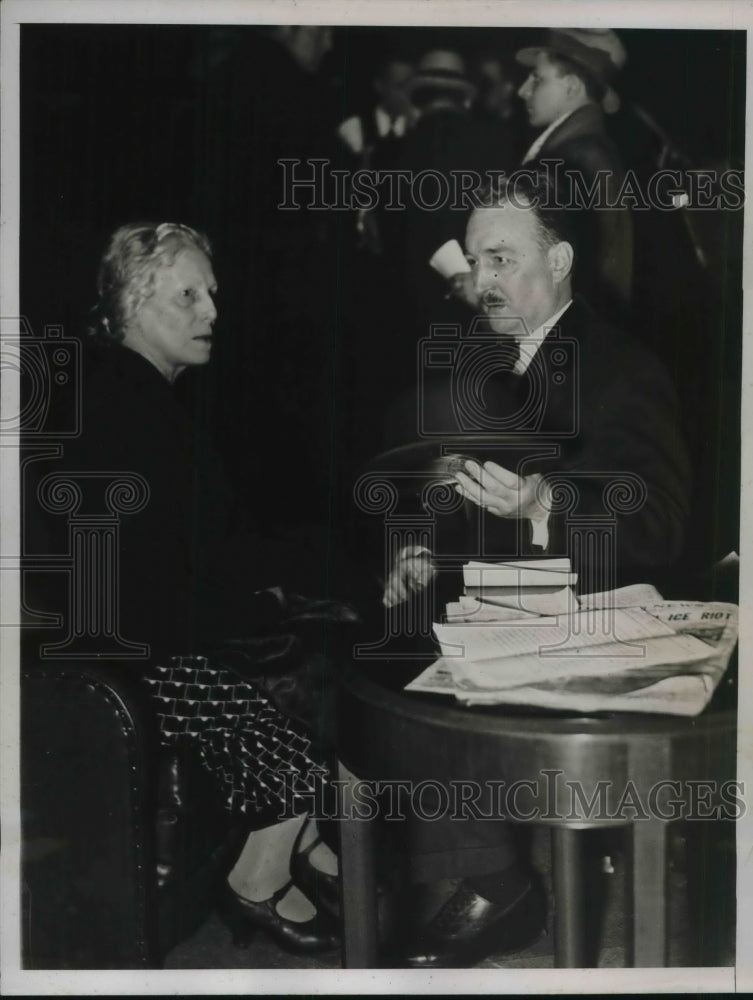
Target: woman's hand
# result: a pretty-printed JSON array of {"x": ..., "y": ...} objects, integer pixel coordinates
[{"x": 413, "y": 570}]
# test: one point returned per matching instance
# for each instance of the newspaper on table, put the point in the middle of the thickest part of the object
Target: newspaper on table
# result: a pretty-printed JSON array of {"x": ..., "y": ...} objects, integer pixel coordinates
[{"x": 622, "y": 651}]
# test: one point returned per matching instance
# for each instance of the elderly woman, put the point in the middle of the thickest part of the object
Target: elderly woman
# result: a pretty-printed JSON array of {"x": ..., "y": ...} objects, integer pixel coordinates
[{"x": 154, "y": 319}]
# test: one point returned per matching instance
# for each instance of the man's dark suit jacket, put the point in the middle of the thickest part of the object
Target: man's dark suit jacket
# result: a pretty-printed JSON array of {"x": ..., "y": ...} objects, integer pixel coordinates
[
  {"x": 593, "y": 410},
  {"x": 604, "y": 258},
  {"x": 608, "y": 407}
]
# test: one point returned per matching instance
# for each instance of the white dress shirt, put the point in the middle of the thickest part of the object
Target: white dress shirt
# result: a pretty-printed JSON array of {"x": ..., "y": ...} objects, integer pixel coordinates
[
  {"x": 528, "y": 348},
  {"x": 530, "y": 345},
  {"x": 385, "y": 124},
  {"x": 351, "y": 130}
]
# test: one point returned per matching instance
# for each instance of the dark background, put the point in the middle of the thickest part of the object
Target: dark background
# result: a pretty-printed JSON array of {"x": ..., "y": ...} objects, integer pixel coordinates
[
  {"x": 184, "y": 123},
  {"x": 116, "y": 120}
]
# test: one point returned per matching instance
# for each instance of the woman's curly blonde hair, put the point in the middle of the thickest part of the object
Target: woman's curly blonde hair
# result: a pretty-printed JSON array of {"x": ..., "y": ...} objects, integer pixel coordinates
[{"x": 134, "y": 254}]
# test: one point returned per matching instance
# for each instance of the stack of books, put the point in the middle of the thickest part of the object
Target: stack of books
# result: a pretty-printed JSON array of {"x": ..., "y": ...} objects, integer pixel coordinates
[{"x": 506, "y": 591}]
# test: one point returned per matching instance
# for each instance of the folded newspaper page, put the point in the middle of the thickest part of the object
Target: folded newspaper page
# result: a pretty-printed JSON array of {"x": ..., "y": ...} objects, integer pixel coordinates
[{"x": 686, "y": 650}]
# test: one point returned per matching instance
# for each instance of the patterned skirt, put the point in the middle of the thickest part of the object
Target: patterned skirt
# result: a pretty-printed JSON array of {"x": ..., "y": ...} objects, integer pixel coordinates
[{"x": 261, "y": 758}]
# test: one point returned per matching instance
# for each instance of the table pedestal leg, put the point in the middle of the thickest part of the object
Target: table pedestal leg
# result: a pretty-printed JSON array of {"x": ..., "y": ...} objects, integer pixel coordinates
[
  {"x": 567, "y": 875},
  {"x": 358, "y": 897},
  {"x": 649, "y": 890}
]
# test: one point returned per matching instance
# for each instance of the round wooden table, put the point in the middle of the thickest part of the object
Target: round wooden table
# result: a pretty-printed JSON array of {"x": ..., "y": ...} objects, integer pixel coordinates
[{"x": 573, "y": 773}]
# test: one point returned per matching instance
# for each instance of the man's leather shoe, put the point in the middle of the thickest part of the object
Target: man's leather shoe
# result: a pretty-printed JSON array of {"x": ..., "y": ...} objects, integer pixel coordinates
[{"x": 468, "y": 928}]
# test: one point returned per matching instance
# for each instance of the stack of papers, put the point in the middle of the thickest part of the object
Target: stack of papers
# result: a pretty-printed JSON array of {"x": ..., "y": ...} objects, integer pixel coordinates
[{"x": 626, "y": 650}]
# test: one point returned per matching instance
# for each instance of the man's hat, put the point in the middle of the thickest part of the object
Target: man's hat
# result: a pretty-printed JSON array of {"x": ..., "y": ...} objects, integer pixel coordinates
[
  {"x": 444, "y": 70},
  {"x": 598, "y": 50}
]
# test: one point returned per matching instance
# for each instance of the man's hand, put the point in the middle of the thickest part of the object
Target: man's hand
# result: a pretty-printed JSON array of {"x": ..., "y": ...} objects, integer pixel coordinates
[
  {"x": 413, "y": 570},
  {"x": 502, "y": 492},
  {"x": 461, "y": 287}
]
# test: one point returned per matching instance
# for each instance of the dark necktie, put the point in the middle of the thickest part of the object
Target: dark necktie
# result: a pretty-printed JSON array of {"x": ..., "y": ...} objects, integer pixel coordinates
[{"x": 511, "y": 354}]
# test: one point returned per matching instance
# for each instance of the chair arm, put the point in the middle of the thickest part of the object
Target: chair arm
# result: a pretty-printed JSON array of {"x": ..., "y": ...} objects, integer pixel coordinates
[{"x": 87, "y": 789}]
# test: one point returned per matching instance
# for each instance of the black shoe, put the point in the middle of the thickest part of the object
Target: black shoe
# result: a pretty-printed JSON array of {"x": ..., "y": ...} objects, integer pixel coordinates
[
  {"x": 322, "y": 889},
  {"x": 468, "y": 928},
  {"x": 244, "y": 917}
]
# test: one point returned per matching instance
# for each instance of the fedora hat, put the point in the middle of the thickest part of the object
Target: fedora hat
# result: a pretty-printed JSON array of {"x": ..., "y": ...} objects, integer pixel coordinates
[
  {"x": 443, "y": 69},
  {"x": 598, "y": 50}
]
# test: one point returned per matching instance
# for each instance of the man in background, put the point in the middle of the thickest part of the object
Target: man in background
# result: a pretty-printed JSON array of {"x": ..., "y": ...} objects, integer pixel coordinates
[
  {"x": 373, "y": 140},
  {"x": 389, "y": 117},
  {"x": 566, "y": 94}
]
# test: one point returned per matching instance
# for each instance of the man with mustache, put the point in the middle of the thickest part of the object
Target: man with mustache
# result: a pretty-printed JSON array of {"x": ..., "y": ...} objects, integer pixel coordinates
[{"x": 624, "y": 424}]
